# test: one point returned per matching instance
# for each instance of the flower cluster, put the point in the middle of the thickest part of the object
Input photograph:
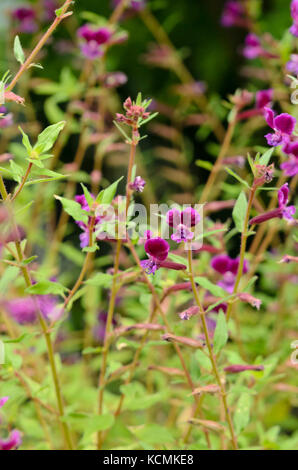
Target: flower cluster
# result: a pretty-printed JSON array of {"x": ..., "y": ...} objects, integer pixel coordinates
[
  {"x": 228, "y": 268},
  {"x": 134, "y": 113}
]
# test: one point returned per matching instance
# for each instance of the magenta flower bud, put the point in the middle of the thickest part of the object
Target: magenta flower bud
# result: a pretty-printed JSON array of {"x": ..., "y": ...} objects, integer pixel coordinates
[
  {"x": 17, "y": 234},
  {"x": 264, "y": 98},
  {"x": 232, "y": 14},
  {"x": 236, "y": 368},
  {"x": 190, "y": 217},
  {"x": 173, "y": 217},
  {"x": 190, "y": 312},
  {"x": 245, "y": 297},
  {"x": 252, "y": 48},
  {"x": 172, "y": 265},
  {"x": 283, "y": 211},
  {"x": 13, "y": 441}
]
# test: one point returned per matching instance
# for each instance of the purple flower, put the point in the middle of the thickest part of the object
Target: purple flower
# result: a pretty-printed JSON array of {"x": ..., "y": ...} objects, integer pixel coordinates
[
  {"x": 158, "y": 250},
  {"x": 138, "y": 184},
  {"x": 290, "y": 167},
  {"x": 224, "y": 264},
  {"x": 13, "y": 441},
  {"x": 92, "y": 40},
  {"x": 264, "y": 98},
  {"x": 24, "y": 309},
  {"x": 232, "y": 14},
  {"x": 3, "y": 400},
  {"x": 182, "y": 234},
  {"x": 84, "y": 237},
  {"x": 282, "y": 212},
  {"x": 49, "y": 7},
  {"x": 25, "y": 16},
  {"x": 283, "y": 126},
  {"x": 227, "y": 282},
  {"x": 294, "y": 14},
  {"x": 283, "y": 199},
  {"x": 252, "y": 48},
  {"x": 189, "y": 217},
  {"x": 292, "y": 64}
]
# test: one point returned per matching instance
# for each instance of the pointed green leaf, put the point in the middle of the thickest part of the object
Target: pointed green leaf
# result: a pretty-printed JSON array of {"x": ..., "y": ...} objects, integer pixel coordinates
[
  {"x": 221, "y": 333},
  {"x": 239, "y": 211}
]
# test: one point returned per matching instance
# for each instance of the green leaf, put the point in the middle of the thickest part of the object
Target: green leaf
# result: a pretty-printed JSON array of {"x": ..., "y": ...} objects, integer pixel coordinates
[
  {"x": 149, "y": 118},
  {"x": 237, "y": 177},
  {"x": 107, "y": 195},
  {"x": 74, "y": 209},
  {"x": 128, "y": 139},
  {"x": 213, "y": 288},
  {"x": 26, "y": 142},
  {"x": 239, "y": 211},
  {"x": 242, "y": 412},
  {"x": 18, "y": 50},
  {"x": 91, "y": 350},
  {"x": 16, "y": 171},
  {"x": 100, "y": 280},
  {"x": 58, "y": 12},
  {"x": 265, "y": 158},
  {"x": 221, "y": 333},
  {"x": 48, "y": 137},
  {"x": 46, "y": 287},
  {"x": 89, "y": 424},
  {"x": 8, "y": 277},
  {"x": 88, "y": 196}
]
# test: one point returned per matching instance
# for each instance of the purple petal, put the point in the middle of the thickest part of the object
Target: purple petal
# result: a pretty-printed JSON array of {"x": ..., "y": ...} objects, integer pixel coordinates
[{"x": 285, "y": 123}]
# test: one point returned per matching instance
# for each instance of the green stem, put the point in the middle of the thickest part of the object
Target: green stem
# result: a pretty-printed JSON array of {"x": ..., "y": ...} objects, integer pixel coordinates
[
  {"x": 40, "y": 44},
  {"x": 242, "y": 249},
  {"x": 211, "y": 355},
  {"x": 23, "y": 182},
  {"x": 46, "y": 333}
]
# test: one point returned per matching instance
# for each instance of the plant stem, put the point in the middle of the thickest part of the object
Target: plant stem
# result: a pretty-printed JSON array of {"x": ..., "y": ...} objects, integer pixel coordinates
[
  {"x": 242, "y": 249},
  {"x": 46, "y": 334},
  {"x": 211, "y": 355},
  {"x": 114, "y": 290},
  {"x": 23, "y": 181},
  {"x": 40, "y": 44}
]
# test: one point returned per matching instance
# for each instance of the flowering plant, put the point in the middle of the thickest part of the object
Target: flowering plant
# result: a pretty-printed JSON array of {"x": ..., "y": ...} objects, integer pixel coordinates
[{"x": 147, "y": 295}]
